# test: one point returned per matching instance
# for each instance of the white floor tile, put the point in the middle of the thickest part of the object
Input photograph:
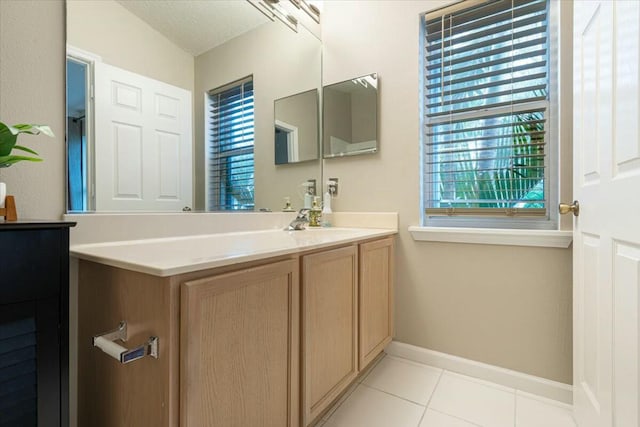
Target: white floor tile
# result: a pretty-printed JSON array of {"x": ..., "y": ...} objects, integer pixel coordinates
[
  {"x": 367, "y": 407},
  {"x": 405, "y": 379},
  {"x": 438, "y": 419},
  {"x": 474, "y": 401},
  {"x": 534, "y": 412}
]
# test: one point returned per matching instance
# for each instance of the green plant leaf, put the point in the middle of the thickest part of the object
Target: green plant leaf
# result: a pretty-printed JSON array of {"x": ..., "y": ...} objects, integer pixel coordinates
[
  {"x": 28, "y": 150},
  {"x": 34, "y": 129},
  {"x": 7, "y": 139},
  {"x": 6, "y": 161}
]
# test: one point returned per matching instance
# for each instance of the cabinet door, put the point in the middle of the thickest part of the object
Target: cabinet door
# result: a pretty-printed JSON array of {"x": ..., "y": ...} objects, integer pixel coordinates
[
  {"x": 375, "y": 298},
  {"x": 240, "y": 348},
  {"x": 329, "y": 307}
]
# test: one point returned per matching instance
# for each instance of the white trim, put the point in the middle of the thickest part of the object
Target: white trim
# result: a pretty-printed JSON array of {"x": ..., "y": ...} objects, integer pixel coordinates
[
  {"x": 529, "y": 383},
  {"x": 83, "y": 55},
  {"x": 494, "y": 236},
  {"x": 293, "y": 155},
  {"x": 90, "y": 59}
]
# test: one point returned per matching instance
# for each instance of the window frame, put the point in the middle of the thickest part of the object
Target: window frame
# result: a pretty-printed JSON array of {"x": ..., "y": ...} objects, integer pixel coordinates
[{"x": 550, "y": 221}]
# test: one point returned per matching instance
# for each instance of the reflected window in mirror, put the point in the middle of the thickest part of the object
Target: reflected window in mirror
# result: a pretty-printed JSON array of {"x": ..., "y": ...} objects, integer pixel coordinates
[{"x": 230, "y": 160}]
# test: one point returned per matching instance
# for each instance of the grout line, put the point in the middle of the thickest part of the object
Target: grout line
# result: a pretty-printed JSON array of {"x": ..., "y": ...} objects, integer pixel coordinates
[
  {"x": 422, "y": 416},
  {"x": 391, "y": 394},
  {"x": 431, "y": 397},
  {"x": 436, "y": 387},
  {"x": 456, "y": 417},
  {"x": 515, "y": 408}
]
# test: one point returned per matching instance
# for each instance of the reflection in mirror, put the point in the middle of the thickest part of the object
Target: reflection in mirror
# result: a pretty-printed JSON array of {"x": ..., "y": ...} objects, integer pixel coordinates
[
  {"x": 296, "y": 128},
  {"x": 153, "y": 138},
  {"x": 349, "y": 111}
]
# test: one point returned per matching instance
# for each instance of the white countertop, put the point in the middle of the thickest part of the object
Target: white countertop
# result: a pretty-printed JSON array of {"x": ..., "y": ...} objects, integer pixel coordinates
[{"x": 176, "y": 255}]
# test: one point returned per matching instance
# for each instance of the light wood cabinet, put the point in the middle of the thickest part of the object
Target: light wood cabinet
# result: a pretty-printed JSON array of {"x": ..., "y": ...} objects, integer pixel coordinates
[
  {"x": 240, "y": 347},
  {"x": 375, "y": 299},
  {"x": 228, "y": 347},
  {"x": 271, "y": 343},
  {"x": 329, "y": 325},
  {"x": 141, "y": 393}
]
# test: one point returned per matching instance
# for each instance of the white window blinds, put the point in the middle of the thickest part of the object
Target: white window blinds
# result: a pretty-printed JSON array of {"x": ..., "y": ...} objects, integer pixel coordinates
[
  {"x": 486, "y": 92},
  {"x": 230, "y": 147}
]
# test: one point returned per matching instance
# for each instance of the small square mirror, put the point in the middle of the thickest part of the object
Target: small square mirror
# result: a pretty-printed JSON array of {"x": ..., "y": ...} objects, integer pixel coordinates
[{"x": 350, "y": 110}]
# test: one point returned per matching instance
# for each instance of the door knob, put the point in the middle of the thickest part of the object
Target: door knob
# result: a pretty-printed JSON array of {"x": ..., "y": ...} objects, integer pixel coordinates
[{"x": 574, "y": 207}]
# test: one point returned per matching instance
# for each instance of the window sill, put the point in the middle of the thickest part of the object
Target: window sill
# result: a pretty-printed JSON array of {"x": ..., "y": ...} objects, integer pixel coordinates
[{"x": 493, "y": 236}]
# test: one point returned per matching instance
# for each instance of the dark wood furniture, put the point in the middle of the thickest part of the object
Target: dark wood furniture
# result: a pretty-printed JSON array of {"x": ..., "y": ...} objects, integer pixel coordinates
[{"x": 34, "y": 323}]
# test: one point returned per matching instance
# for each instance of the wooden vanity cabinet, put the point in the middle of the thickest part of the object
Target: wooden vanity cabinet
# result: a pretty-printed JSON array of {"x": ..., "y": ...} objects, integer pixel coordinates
[
  {"x": 228, "y": 347},
  {"x": 375, "y": 299},
  {"x": 143, "y": 392},
  {"x": 239, "y": 348},
  {"x": 270, "y": 343},
  {"x": 329, "y": 327}
]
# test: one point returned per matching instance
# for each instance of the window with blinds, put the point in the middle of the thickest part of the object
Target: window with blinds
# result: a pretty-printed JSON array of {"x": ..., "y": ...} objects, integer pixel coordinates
[
  {"x": 486, "y": 94},
  {"x": 230, "y": 133}
]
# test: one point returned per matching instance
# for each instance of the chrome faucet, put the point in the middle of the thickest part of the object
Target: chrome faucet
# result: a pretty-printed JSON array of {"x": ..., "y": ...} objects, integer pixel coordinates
[{"x": 301, "y": 220}]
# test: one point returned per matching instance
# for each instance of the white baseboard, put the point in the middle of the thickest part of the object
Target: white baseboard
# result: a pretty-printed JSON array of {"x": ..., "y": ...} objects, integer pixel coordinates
[{"x": 506, "y": 377}]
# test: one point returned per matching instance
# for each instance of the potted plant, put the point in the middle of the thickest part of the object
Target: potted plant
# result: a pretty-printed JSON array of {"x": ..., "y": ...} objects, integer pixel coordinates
[{"x": 8, "y": 145}]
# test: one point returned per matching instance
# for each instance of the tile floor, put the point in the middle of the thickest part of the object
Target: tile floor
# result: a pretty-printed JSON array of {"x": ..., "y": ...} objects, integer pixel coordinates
[{"x": 401, "y": 393}]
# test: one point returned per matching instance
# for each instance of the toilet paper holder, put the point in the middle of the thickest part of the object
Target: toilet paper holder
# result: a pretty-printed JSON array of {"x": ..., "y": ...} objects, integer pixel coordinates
[{"x": 105, "y": 342}]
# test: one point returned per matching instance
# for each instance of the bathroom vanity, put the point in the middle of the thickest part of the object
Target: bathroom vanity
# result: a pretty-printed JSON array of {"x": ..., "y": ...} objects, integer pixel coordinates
[{"x": 263, "y": 328}]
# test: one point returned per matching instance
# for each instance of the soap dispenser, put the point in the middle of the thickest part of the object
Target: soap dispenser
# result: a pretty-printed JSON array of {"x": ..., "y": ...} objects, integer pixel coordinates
[
  {"x": 308, "y": 196},
  {"x": 315, "y": 214},
  {"x": 326, "y": 210}
]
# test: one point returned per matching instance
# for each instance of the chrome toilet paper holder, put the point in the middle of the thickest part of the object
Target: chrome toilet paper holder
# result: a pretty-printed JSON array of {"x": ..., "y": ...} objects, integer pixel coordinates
[{"x": 105, "y": 342}]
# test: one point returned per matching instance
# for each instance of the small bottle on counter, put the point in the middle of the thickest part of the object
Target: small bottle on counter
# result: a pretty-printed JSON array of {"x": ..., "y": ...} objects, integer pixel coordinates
[{"x": 315, "y": 214}]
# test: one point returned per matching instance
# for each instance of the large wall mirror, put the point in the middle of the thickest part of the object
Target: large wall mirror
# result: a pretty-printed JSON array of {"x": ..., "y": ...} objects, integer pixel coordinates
[{"x": 171, "y": 105}]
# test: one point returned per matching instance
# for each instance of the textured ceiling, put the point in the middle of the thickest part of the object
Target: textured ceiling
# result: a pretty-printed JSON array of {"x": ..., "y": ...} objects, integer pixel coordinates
[{"x": 197, "y": 25}]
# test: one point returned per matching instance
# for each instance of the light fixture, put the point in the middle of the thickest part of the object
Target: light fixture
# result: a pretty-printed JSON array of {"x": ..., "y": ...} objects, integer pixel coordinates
[
  {"x": 309, "y": 8},
  {"x": 272, "y": 9}
]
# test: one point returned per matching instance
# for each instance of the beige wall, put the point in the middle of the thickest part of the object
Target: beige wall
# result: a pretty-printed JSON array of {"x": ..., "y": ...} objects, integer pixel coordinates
[
  {"x": 32, "y": 70},
  {"x": 363, "y": 116},
  {"x": 282, "y": 63},
  {"x": 337, "y": 117},
  {"x": 507, "y": 306},
  {"x": 107, "y": 29}
]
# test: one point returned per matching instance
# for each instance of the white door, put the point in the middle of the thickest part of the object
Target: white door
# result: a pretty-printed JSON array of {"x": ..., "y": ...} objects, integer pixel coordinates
[
  {"x": 143, "y": 143},
  {"x": 607, "y": 231}
]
